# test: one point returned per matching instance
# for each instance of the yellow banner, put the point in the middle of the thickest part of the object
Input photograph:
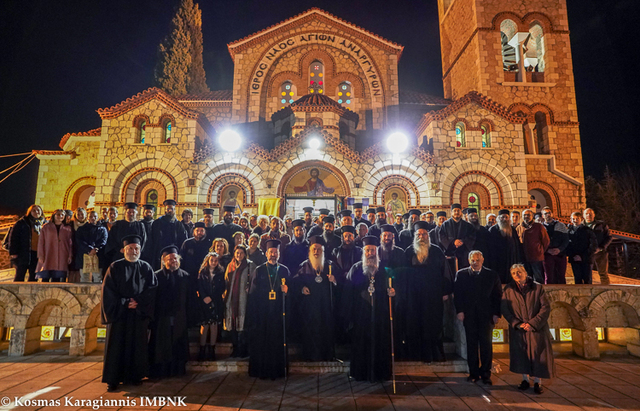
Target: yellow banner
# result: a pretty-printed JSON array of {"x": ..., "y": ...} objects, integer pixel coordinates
[{"x": 269, "y": 206}]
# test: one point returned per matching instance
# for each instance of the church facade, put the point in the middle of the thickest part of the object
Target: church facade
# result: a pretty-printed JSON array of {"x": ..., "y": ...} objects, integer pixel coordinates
[{"x": 314, "y": 101}]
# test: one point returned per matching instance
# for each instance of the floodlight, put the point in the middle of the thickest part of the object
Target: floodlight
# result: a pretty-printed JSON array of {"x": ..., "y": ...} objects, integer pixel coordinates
[{"x": 397, "y": 142}]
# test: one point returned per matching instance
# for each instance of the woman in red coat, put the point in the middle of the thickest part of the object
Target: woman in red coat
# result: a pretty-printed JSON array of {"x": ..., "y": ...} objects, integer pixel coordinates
[{"x": 55, "y": 251}]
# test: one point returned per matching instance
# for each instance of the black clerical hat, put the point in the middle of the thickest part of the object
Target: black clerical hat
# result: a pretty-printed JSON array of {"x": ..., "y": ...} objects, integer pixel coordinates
[
  {"x": 316, "y": 239},
  {"x": 130, "y": 205},
  {"x": 415, "y": 211},
  {"x": 131, "y": 239},
  {"x": 329, "y": 219},
  {"x": 405, "y": 216},
  {"x": 199, "y": 224},
  {"x": 371, "y": 210},
  {"x": 273, "y": 244},
  {"x": 371, "y": 240},
  {"x": 421, "y": 224},
  {"x": 207, "y": 211},
  {"x": 346, "y": 213},
  {"x": 230, "y": 209},
  {"x": 348, "y": 229},
  {"x": 387, "y": 228},
  {"x": 455, "y": 205},
  {"x": 308, "y": 209},
  {"x": 441, "y": 214},
  {"x": 169, "y": 202},
  {"x": 471, "y": 210},
  {"x": 357, "y": 205},
  {"x": 381, "y": 210},
  {"x": 149, "y": 207},
  {"x": 170, "y": 249},
  {"x": 324, "y": 211},
  {"x": 504, "y": 211},
  {"x": 297, "y": 223}
]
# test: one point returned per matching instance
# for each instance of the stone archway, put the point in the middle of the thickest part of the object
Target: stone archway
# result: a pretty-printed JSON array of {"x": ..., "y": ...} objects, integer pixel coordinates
[
  {"x": 294, "y": 177},
  {"x": 80, "y": 192}
]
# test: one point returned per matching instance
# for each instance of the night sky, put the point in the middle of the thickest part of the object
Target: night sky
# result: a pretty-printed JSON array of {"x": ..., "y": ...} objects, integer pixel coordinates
[{"x": 62, "y": 60}]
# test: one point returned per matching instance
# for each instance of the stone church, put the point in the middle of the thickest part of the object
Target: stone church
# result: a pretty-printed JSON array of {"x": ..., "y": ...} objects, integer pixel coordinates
[{"x": 312, "y": 115}]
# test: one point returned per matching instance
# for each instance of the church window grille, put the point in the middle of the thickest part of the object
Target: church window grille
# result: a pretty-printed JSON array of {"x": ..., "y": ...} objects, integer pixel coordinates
[
  {"x": 167, "y": 132},
  {"x": 316, "y": 77},
  {"x": 152, "y": 198},
  {"x": 473, "y": 201},
  {"x": 287, "y": 94},
  {"x": 460, "y": 135},
  {"x": 485, "y": 130},
  {"x": 345, "y": 94}
]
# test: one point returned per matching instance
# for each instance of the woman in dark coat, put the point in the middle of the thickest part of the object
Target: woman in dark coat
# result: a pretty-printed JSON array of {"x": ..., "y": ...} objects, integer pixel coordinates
[
  {"x": 23, "y": 243},
  {"x": 526, "y": 308},
  {"x": 211, "y": 287}
]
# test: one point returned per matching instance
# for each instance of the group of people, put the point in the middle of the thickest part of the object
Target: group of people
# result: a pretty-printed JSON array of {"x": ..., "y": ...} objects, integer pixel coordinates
[{"x": 316, "y": 281}]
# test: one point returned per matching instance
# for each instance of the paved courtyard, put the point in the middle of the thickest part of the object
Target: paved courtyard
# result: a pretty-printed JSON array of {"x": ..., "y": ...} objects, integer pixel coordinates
[{"x": 611, "y": 383}]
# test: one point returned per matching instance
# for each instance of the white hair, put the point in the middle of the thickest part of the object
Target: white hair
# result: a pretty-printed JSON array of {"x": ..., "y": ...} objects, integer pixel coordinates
[
  {"x": 370, "y": 264},
  {"x": 421, "y": 247},
  {"x": 316, "y": 262}
]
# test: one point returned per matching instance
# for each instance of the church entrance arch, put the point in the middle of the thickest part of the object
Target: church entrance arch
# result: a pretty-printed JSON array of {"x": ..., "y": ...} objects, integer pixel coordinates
[
  {"x": 81, "y": 193},
  {"x": 313, "y": 184}
]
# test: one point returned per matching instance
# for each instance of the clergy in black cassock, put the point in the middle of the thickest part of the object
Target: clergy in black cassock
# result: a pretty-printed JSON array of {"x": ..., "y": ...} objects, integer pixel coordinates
[
  {"x": 381, "y": 220},
  {"x": 266, "y": 325},
  {"x": 482, "y": 233},
  {"x": 357, "y": 215},
  {"x": 297, "y": 250},
  {"x": 331, "y": 241},
  {"x": 207, "y": 219},
  {"x": 406, "y": 235},
  {"x": 318, "y": 229},
  {"x": 505, "y": 248},
  {"x": 147, "y": 222},
  {"x": 167, "y": 230},
  {"x": 128, "y": 302},
  {"x": 391, "y": 255},
  {"x": 308, "y": 219},
  {"x": 122, "y": 228},
  {"x": 457, "y": 237},
  {"x": 193, "y": 252},
  {"x": 344, "y": 257},
  {"x": 169, "y": 342},
  {"x": 226, "y": 229},
  {"x": 428, "y": 282},
  {"x": 365, "y": 308},
  {"x": 313, "y": 291}
]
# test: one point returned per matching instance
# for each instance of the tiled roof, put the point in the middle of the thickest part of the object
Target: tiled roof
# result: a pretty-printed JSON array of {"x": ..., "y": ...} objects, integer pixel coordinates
[
  {"x": 143, "y": 97},
  {"x": 239, "y": 45},
  {"x": 217, "y": 95},
  {"x": 94, "y": 132},
  {"x": 475, "y": 97},
  {"x": 53, "y": 153},
  {"x": 315, "y": 103},
  {"x": 413, "y": 97}
]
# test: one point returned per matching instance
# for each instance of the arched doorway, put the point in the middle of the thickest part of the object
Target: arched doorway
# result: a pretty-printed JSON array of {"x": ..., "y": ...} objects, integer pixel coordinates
[{"x": 84, "y": 197}]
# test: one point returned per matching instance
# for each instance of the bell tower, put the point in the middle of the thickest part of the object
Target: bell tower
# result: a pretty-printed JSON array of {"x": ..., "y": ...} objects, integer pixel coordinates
[{"x": 518, "y": 54}]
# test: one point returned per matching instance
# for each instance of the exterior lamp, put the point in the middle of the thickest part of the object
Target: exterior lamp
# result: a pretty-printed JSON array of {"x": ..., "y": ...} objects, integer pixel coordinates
[
  {"x": 230, "y": 140},
  {"x": 314, "y": 143},
  {"x": 397, "y": 142}
]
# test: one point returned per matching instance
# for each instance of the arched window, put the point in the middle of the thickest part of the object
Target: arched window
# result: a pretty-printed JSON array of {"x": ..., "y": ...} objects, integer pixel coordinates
[
  {"x": 473, "y": 201},
  {"x": 287, "y": 93},
  {"x": 167, "y": 131},
  {"x": 345, "y": 94},
  {"x": 485, "y": 130},
  {"x": 508, "y": 29},
  {"x": 142, "y": 132},
  {"x": 316, "y": 77},
  {"x": 460, "y": 132},
  {"x": 152, "y": 198},
  {"x": 541, "y": 133}
]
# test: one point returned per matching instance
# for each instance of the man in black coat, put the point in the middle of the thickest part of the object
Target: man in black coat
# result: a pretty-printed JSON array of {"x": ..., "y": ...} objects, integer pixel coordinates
[
  {"x": 482, "y": 234},
  {"x": 266, "y": 316},
  {"x": 166, "y": 230},
  {"x": 406, "y": 235},
  {"x": 91, "y": 238},
  {"x": 457, "y": 237},
  {"x": 308, "y": 219},
  {"x": 297, "y": 250},
  {"x": 169, "y": 341},
  {"x": 331, "y": 241},
  {"x": 381, "y": 219},
  {"x": 478, "y": 293},
  {"x": 193, "y": 252},
  {"x": 505, "y": 248},
  {"x": 603, "y": 239},
  {"x": 346, "y": 219},
  {"x": 24, "y": 256},
  {"x": 319, "y": 227},
  {"x": 122, "y": 228},
  {"x": 147, "y": 220},
  {"x": 434, "y": 233},
  {"x": 226, "y": 229},
  {"x": 207, "y": 219},
  {"x": 128, "y": 303},
  {"x": 348, "y": 253},
  {"x": 582, "y": 245},
  {"x": 391, "y": 255}
]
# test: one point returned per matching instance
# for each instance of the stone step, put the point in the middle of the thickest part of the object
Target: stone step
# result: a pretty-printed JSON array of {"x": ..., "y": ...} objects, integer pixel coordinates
[{"x": 453, "y": 364}]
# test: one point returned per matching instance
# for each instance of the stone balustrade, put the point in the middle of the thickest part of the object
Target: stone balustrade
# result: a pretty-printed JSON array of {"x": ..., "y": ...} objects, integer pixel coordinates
[{"x": 583, "y": 308}]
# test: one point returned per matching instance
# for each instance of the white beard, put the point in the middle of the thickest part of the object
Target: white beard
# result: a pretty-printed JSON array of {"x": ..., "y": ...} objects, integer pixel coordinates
[
  {"x": 317, "y": 263},
  {"x": 370, "y": 265},
  {"x": 132, "y": 259},
  {"x": 421, "y": 248}
]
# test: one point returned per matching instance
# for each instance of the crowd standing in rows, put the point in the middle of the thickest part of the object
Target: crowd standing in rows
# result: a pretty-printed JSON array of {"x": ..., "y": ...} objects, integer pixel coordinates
[{"x": 316, "y": 281}]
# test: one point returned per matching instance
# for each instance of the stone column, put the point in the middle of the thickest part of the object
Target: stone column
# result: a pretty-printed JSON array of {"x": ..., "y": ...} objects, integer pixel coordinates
[
  {"x": 585, "y": 343},
  {"x": 83, "y": 341},
  {"x": 24, "y": 341},
  {"x": 633, "y": 341}
]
